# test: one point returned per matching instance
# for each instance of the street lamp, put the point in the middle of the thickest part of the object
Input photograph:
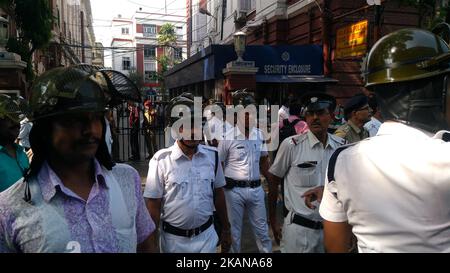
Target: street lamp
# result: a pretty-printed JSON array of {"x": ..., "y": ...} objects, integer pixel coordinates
[
  {"x": 239, "y": 44},
  {"x": 3, "y": 32}
]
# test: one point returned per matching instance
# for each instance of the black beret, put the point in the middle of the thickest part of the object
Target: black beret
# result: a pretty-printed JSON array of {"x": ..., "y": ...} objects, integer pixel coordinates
[
  {"x": 315, "y": 101},
  {"x": 354, "y": 103}
]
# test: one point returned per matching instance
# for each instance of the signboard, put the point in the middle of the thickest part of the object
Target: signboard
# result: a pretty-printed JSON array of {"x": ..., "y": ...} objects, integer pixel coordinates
[
  {"x": 286, "y": 60},
  {"x": 351, "y": 41},
  {"x": 271, "y": 61}
]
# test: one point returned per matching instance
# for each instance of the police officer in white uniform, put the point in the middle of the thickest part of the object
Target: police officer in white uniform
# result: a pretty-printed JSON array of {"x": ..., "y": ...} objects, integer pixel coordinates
[
  {"x": 179, "y": 190},
  {"x": 393, "y": 190},
  {"x": 243, "y": 154},
  {"x": 302, "y": 161}
]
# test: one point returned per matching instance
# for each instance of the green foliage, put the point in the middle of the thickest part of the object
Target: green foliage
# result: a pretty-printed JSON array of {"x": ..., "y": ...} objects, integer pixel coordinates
[
  {"x": 431, "y": 12},
  {"x": 136, "y": 78},
  {"x": 167, "y": 36}
]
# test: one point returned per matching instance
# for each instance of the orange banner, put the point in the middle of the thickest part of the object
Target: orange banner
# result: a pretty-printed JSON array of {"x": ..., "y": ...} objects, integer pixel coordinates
[{"x": 351, "y": 41}]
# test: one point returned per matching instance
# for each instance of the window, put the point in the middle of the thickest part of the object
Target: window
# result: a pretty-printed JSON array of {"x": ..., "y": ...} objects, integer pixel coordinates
[
  {"x": 150, "y": 66},
  {"x": 149, "y": 30},
  {"x": 179, "y": 32},
  {"x": 178, "y": 53},
  {"x": 126, "y": 63},
  {"x": 125, "y": 31},
  {"x": 150, "y": 72},
  {"x": 245, "y": 5},
  {"x": 149, "y": 52}
]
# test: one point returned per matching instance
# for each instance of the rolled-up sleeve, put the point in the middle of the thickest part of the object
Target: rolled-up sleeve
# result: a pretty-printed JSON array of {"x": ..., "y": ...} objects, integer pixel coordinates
[
  {"x": 154, "y": 186},
  {"x": 220, "y": 178},
  {"x": 283, "y": 160},
  {"x": 223, "y": 150}
]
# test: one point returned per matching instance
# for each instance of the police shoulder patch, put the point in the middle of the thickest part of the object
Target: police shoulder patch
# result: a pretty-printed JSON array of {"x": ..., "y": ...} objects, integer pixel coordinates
[
  {"x": 294, "y": 140},
  {"x": 342, "y": 131},
  {"x": 338, "y": 139}
]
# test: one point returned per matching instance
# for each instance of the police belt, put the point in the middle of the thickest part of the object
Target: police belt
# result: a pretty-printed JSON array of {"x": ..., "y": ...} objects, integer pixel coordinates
[
  {"x": 186, "y": 232},
  {"x": 305, "y": 222},
  {"x": 231, "y": 183}
]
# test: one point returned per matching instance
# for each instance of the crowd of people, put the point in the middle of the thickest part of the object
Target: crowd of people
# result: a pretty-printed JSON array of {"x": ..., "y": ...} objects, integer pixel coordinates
[{"x": 377, "y": 183}]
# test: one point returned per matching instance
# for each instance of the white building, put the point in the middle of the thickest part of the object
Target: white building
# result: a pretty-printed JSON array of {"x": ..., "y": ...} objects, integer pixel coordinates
[
  {"x": 123, "y": 46},
  {"x": 135, "y": 45},
  {"x": 73, "y": 36}
]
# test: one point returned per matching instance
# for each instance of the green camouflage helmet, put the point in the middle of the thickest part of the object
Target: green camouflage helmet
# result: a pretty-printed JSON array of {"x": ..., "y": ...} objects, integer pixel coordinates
[
  {"x": 12, "y": 108},
  {"x": 79, "y": 88},
  {"x": 406, "y": 55},
  {"x": 67, "y": 89}
]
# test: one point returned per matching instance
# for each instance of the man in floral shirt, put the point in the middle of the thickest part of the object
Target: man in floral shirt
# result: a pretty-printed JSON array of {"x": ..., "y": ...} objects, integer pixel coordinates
[{"x": 74, "y": 198}]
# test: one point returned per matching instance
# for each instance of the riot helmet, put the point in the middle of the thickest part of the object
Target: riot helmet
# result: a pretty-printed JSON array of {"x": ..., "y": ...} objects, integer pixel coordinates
[{"x": 408, "y": 70}]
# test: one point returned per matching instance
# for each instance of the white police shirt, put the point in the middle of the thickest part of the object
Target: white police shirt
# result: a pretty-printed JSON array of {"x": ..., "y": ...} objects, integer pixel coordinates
[
  {"x": 394, "y": 189},
  {"x": 216, "y": 129},
  {"x": 372, "y": 126},
  {"x": 241, "y": 156},
  {"x": 302, "y": 161},
  {"x": 184, "y": 185}
]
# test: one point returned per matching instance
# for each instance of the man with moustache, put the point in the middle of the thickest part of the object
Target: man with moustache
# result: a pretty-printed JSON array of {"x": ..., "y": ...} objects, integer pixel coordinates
[
  {"x": 185, "y": 184},
  {"x": 13, "y": 160},
  {"x": 357, "y": 113},
  {"x": 244, "y": 158},
  {"x": 74, "y": 198},
  {"x": 302, "y": 161}
]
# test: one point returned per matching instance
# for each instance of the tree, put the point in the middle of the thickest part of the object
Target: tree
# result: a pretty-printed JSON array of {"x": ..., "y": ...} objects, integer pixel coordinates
[
  {"x": 34, "y": 20},
  {"x": 167, "y": 39},
  {"x": 431, "y": 12},
  {"x": 137, "y": 79}
]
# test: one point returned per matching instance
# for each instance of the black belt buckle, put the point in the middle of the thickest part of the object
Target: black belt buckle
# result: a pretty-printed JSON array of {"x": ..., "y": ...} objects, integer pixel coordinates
[{"x": 193, "y": 232}]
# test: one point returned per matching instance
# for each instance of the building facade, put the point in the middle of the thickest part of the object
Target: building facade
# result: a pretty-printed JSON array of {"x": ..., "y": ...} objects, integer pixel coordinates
[
  {"x": 72, "y": 41},
  {"x": 345, "y": 31},
  {"x": 135, "y": 45},
  {"x": 98, "y": 55},
  {"x": 73, "y": 38}
]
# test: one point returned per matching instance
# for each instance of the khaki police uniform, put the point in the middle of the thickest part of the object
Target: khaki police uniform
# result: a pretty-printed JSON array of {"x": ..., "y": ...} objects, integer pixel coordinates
[
  {"x": 186, "y": 189},
  {"x": 351, "y": 133},
  {"x": 302, "y": 161},
  {"x": 393, "y": 189}
]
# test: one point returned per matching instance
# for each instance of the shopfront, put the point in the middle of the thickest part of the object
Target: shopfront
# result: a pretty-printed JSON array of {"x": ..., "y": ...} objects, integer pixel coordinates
[{"x": 281, "y": 70}]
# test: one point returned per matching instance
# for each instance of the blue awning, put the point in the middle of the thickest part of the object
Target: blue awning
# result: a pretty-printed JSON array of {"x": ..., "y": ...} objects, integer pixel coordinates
[
  {"x": 294, "y": 79},
  {"x": 277, "y": 64}
]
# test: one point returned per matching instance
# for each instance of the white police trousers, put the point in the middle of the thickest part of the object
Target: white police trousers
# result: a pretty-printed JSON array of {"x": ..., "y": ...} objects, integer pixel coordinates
[{"x": 238, "y": 199}]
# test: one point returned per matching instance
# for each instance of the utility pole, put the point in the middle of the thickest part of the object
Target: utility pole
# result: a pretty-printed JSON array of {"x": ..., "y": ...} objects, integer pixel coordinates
[{"x": 165, "y": 6}]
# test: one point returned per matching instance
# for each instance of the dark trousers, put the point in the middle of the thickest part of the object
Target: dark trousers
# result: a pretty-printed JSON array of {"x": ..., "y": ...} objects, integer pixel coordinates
[
  {"x": 134, "y": 142},
  {"x": 150, "y": 141}
]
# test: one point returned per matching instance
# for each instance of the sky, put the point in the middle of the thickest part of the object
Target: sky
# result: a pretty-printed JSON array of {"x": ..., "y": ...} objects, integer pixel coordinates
[{"x": 103, "y": 11}]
